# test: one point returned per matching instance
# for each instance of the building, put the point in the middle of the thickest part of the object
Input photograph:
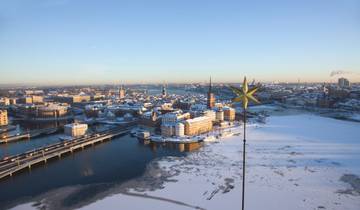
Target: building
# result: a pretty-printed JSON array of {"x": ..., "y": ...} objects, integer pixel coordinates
[
  {"x": 47, "y": 111},
  {"x": 170, "y": 122},
  {"x": 149, "y": 119},
  {"x": 179, "y": 129},
  {"x": 3, "y": 117},
  {"x": 12, "y": 101},
  {"x": 37, "y": 99},
  {"x": 51, "y": 111},
  {"x": 210, "y": 114},
  {"x": 33, "y": 99},
  {"x": 343, "y": 82},
  {"x": 198, "y": 126},
  {"x": 72, "y": 98},
  {"x": 219, "y": 115},
  {"x": 93, "y": 110},
  {"x": 80, "y": 98},
  {"x": 5, "y": 101},
  {"x": 173, "y": 117},
  {"x": 229, "y": 114},
  {"x": 210, "y": 97},
  {"x": 121, "y": 93},
  {"x": 26, "y": 100},
  {"x": 75, "y": 129},
  {"x": 168, "y": 130}
]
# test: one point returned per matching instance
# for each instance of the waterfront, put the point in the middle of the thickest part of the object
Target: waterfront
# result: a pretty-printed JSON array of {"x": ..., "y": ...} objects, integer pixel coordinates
[{"x": 112, "y": 162}]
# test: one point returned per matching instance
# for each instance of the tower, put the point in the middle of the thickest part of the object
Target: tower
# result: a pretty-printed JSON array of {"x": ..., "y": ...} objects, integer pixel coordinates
[
  {"x": 210, "y": 97},
  {"x": 164, "y": 91},
  {"x": 121, "y": 93}
]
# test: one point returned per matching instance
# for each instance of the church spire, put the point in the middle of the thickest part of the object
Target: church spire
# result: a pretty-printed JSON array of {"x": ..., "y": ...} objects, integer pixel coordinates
[
  {"x": 210, "y": 86},
  {"x": 211, "y": 97}
]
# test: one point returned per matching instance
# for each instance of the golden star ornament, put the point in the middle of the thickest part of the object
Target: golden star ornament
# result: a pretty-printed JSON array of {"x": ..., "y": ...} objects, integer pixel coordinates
[{"x": 244, "y": 95}]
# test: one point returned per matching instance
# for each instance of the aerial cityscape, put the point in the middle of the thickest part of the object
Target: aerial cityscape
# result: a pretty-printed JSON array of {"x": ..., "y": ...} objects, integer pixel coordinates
[{"x": 179, "y": 105}]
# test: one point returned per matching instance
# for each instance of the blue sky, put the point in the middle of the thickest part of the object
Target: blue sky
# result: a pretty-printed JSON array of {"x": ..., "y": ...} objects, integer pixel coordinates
[{"x": 83, "y": 41}]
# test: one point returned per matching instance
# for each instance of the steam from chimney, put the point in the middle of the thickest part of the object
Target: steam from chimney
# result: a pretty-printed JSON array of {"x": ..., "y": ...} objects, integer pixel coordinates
[{"x": 340, "y": 72}]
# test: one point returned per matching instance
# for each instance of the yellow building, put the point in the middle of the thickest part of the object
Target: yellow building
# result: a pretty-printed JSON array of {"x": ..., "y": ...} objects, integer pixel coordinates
[
  {"x": 3, "y": 118},
  {"x": 37, "y": 99},
  {"x": 28, "y": 100},
  {"x": 229, "y": 114},
  {"x": 121, "y": 93},
  {"x": 198, "y": 125},
  {"x": 80, "y": 98}
]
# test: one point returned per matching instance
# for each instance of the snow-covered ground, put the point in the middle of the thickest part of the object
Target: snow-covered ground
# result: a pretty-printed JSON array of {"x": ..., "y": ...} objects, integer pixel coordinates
[{"x": 294, "y": 162}]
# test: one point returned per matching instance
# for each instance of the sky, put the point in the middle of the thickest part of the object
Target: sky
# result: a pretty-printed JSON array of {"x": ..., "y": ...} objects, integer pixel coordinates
[{"x": 178, "y": 41}]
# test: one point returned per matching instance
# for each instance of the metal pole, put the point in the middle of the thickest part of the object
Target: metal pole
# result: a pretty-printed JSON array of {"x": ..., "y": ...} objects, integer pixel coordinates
[{"x": 243, "y": 181}]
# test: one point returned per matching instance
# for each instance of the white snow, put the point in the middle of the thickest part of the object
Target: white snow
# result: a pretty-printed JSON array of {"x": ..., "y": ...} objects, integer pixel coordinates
[{"x": 293, "y": 162}]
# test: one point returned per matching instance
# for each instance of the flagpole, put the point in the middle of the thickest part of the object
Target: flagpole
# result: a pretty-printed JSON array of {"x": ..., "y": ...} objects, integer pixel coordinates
[{"x": 243, "y": 181}]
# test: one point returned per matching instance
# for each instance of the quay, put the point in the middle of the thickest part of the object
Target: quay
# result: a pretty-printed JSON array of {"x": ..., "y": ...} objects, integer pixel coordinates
[{"x": 10, "y": 165}]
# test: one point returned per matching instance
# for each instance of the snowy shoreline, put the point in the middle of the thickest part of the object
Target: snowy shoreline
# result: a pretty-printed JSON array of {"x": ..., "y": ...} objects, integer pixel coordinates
[{"x": 293, "y": 162}]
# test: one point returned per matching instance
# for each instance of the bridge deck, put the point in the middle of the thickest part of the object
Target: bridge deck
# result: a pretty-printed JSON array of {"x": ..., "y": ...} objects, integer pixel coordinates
[{"x": 25, "y": 160}]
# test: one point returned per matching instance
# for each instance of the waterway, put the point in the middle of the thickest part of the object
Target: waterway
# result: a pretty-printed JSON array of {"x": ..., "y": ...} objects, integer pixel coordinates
[{"x": 111, "y": 162}]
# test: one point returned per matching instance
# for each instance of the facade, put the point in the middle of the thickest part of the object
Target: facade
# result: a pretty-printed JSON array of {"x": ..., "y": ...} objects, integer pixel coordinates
[
  {"x": 32, "y": 100},
  {"x": 170, "y": 123},
  {"x": 172, "y": 118},
  {"x": 72, "y": 98},
  {"x": 168, "y": 130},
  {"x": 5, "y": 101},
  {"x": 48, "y": 111},
  {"x": 220, "y": 115},
  {"x": 210, "y": 114},
  {"x": 179, "y": 129},
  {"x": 229, "y": 114},
  {"x": 343, "y": 82},
  {"x": 210, "y": 97},
  {"x": 27, "y": 100},
  {"x": 51, "y": 111},
  {"x": 3, "y": 117},
  {"x": 75, "y": 129},
  {"x": 198, "y": 125},
  {"x": 12, "y": 101},
  {"x": 37, "y": 99},
  {"x": 80, "y": 98},
  {"x": 121, "y": 93}
]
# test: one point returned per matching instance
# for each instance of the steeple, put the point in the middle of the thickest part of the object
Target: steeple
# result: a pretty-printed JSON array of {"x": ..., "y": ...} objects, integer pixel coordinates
[
  {"x": 164, "y": 90},
  {"x": 210, "y": 97},
  {"x": 210, "y": 86}
]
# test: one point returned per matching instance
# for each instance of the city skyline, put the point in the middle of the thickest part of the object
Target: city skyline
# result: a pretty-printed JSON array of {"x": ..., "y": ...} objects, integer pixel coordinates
[{"x": 65, "y": 42}]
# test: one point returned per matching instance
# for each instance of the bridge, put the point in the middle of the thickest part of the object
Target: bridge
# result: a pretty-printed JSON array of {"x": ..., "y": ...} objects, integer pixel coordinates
[
  {"x": 10, "y": 165},
  {"x": 29, "y": 134}
]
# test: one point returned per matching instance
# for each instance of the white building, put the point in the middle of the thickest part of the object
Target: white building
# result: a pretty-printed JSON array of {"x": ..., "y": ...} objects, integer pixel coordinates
[
  {"x": 220, "y": 115},
  {"x": 210, "y": 114},
  {"x": 179, "y": 129},
  {"x": 75, "y": 129}
]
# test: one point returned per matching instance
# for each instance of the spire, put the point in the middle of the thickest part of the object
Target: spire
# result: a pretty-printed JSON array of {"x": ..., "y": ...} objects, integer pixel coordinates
[
  {"x": 163, "y": 89},
  {"x": 210, "y": 86}
]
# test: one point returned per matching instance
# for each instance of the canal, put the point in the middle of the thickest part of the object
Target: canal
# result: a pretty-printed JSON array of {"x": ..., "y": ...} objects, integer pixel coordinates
[{"x": 111, "y": 162}]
